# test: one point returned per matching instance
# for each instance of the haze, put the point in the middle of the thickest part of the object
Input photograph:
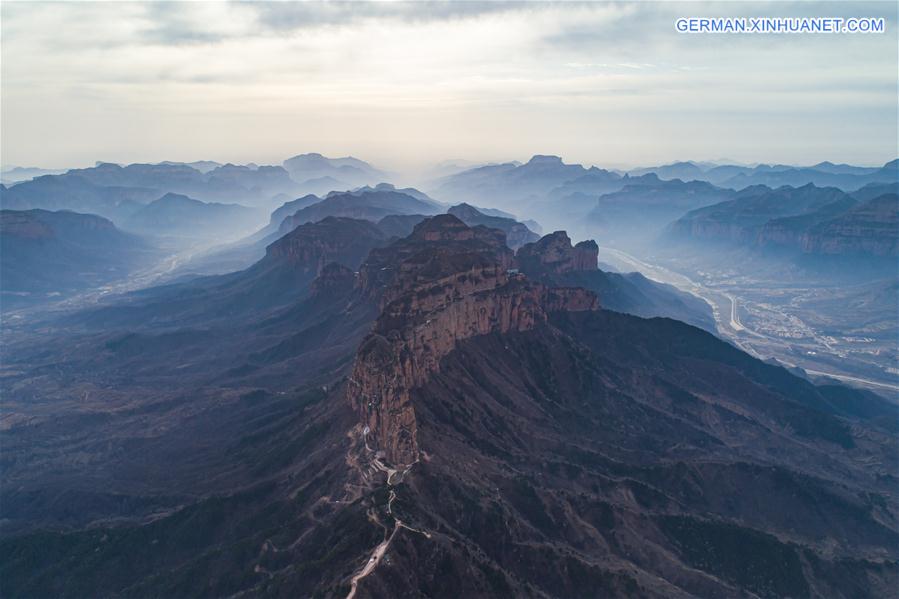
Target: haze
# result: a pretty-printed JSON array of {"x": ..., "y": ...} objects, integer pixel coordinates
[{"x": 405, "y": 85}]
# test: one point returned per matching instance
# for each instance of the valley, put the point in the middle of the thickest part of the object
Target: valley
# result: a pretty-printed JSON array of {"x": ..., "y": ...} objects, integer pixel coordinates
[{"x": 793, "y": 324}]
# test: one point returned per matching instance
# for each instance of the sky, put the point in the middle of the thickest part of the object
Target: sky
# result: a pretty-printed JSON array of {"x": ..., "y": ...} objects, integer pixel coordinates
[{"x": 405, "y": 85}]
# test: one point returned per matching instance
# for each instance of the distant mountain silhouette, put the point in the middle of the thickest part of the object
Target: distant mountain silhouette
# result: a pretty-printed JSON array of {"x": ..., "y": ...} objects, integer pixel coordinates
[
  {"x": 823, "y": 174},
  {"x": 353, "y": 172},
  {"x": 116, "y": 192},
  {"x": 641, "y": 209},
  {"x": 178, "y": 215},
  {"x": 504, "y": 185},
  {"x": 77, "y": 194},
  {"x": 368, "y": 205},
  {"x": 17, "y": 174},
  {"x": 517, "y": 234}
]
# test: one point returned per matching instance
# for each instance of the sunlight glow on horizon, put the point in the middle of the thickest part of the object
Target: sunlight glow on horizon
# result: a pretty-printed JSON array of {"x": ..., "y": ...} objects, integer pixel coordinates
[{"x": 408, "y": 85}]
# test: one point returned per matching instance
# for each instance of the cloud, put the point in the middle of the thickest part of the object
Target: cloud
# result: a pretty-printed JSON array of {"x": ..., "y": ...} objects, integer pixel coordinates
[{"x": 247, "y": 81}]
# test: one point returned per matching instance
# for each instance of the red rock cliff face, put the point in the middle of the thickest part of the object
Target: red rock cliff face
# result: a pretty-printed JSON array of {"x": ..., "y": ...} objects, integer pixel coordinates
[
  {"x": 439, "y": 300},
  {"x": 554, "y": 254}
]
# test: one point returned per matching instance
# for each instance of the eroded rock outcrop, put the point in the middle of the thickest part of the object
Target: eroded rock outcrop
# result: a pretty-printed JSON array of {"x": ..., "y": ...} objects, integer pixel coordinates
[
  {"x": 445, "y": 283},
  {"x": 311, "y": 246},
  {"x": 554, "y": 254}
]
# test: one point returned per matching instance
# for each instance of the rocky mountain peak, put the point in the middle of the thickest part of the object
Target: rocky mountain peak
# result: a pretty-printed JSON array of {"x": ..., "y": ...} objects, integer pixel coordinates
[
  {"x": 443, "y": 227},
  {"x": 554, "y": 254},
  {"x": 545, "y": 160},
  {"x": 445, "y": 283}
]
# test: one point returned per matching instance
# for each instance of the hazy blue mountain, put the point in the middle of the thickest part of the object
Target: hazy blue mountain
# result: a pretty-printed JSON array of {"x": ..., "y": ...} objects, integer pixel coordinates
[
  {"x": 409, "y": 191},
  {"x": 400, "y": 225},
  {"x": 367, "y": 205},
  {"x": 797, "y": 177},
  {"x": 228, "y": 182},
  {"x": 594, "y": 182},
  {"x": 844, "y": 176},
  {"x": 873, "y": 190},
  {"x": 808, "y": 220},
  {"x": 687, "y": 171},
  {"x": 285, "y": 210},
  {"x": 742, "y": 220},
  {"x": 641, "y": 209},
  {"x": 517, "y": 234},
  {"x": 306, "y": 168},
  {"x": 507, "y": 185},
  {"x": 16, "y": 174},
  {"x": 204, "y": 166},
  {"x": 50, "y": 254},
  {"x": 845, "y": 169},
  {"x": 181, "y": 216},
  {"x": 261, "y": 181},
  {"x": 867, "y": 229},
  {"x": 75, "y": 193},
  {"x": 322, "y": 186}
]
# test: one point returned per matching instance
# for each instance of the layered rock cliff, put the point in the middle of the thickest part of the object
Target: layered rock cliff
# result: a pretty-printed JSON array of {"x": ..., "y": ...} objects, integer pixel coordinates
[
  {"x": 311, "y": 246},
  {"x": 554, "y": 254},
  {"x": 446, "y": 283},
  {"x": 869, "y": 229}
]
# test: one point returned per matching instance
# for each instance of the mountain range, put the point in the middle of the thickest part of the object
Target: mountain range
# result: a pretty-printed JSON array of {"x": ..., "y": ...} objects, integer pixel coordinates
[
  {"x": 178, "y": 215},
  {"x": 824, "y": 174},
  {"x": 434, "y": 415},
  {"x": 340, "y": 174},
  {"x": 116, "y": 191},
  {"x": 808, "y": 219}
]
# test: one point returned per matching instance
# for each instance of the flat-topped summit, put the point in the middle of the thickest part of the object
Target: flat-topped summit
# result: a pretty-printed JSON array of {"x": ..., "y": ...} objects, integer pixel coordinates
[{"x": 554, "y": 253}]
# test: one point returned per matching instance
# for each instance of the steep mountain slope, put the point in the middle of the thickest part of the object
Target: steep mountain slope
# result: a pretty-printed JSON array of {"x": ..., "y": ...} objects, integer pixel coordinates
[
  {"x": 277, "y": 217},
  {"x": 492, "y": 436},
  {"x": 46, "y": 254}
]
